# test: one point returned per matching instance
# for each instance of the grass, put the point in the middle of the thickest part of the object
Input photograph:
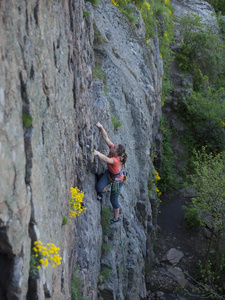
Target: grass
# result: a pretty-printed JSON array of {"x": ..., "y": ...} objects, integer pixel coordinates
[
  {"x": 104, "y": 275},
  {"x": 27, "y": 120},
  {"x": 99, "y": 39},
  {"x": 64, "y": 221},
  {"x": 93, "y": 2},
  {"x": 116, "y": 124},
  {"x": 97, "y": 72},
  {"x": 106, "y": 248},
  {"x": 76, "y": 286},
  {"x": 105, "y": 220}
]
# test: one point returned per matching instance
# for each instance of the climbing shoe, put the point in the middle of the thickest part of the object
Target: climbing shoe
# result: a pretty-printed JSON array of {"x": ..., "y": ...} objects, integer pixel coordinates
[
  {"x": 100, "y": 196},
  {"x": 114, "y": 221}
]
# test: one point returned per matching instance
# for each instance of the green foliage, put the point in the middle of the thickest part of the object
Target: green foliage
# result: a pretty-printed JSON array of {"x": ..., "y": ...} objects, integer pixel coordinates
[
  {"x": 202, "y": 50},
  {"x": 221, "y": 23},
  {"x": 219, "y": 5},
  {"x": 128, "y": 13},
  {"x": 116, "y": 124},
  {"x": 86, "y": 14},
  {"x": 64, "y": 221},
  {"x": 99, "y": 39},
  {"x": 204, "y": 115},
  {"x": 191, "y": 217},
  {"x": 209, "y": 182},
  {"x": 106, "y": 247},
  {"x": 97, "y": 72},
  {"x": 207, "y": 286},
  {"x": 104, "y": 275},
  {"x": 76, "y": 287},
  {"x": 93, "y": 2},
  {"x": 105, "y": 220},
  {"x": 27, "y": 120},
  {"x": 167, "y": 171},
  {"x": 34, "y": 262},
  {"x": 167, "y": 88}
]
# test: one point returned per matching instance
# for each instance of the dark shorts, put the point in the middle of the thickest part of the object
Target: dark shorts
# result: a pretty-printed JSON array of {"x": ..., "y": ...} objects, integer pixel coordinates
[{"x": 114, "y": 197}]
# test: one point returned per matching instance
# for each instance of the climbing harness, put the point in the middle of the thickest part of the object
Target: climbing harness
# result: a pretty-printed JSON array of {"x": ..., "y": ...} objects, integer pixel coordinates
[{"x": 115, "y": 182}]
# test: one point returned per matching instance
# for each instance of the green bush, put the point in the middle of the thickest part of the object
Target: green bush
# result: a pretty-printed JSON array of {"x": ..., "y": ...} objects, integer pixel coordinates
[
  {"x": 86, "y": 14},
  {"x": 219, "y": 5},
  {"x": 191, "y": 217},
  {"x": 204, "y": 115},
  {"x": 27, "y": 120},
  {"x": 64, "y": 221},
  {"x": 76, "y": 287},
  {"x": 128, "y": 13},
  {"x": 202, "y": 50},
  {"x": 167, "y": 170},
  {"x": 116, "y": 124}
]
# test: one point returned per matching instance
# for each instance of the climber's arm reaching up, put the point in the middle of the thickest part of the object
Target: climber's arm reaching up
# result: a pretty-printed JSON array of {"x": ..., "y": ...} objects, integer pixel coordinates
[{"x": 104, "y": 134}]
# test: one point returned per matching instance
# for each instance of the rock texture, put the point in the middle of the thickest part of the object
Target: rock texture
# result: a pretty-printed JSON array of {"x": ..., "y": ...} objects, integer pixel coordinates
[
  {"x": 198, "y": 7},
  {"x": 49, "y": 105}
]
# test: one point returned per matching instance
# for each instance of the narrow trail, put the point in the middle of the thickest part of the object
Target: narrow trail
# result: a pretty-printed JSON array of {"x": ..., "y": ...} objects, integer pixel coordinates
[{"x": 173, "y": 232}]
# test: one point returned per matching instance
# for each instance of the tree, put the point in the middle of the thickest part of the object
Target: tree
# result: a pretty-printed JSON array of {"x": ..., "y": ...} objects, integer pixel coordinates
[{"x": 209, "y": 184}]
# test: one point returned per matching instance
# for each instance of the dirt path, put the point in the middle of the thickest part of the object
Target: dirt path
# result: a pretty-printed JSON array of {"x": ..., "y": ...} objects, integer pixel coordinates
[{"x": 173, "y": 233}]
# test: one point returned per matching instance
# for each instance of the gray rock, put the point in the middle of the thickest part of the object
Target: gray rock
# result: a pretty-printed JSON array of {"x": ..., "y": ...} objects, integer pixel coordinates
[
  {"x": 179, "y": 276},
  {"x": 173, "y": 256}
]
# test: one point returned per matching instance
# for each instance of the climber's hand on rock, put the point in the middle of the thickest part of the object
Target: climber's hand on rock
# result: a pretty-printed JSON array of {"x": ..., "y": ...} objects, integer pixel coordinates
[
  {"x": 96, "y": 152},
  {"x": 99, "y": 125}
]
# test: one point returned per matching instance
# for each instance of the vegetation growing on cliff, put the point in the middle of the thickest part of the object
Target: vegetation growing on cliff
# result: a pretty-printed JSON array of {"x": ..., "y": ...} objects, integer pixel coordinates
[
  {"x": 76, "y": 202},
  {"x": 76, "y": 286}
]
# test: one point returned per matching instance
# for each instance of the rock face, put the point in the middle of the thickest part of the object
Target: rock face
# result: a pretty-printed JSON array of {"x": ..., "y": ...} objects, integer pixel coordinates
[
  {"x": 49, "y": 105},
  {"x": 198, "y": 7}
]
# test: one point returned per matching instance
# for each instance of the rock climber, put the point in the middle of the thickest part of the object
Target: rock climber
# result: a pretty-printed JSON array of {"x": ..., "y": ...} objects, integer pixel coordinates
[{"x": 115, "y": 174}]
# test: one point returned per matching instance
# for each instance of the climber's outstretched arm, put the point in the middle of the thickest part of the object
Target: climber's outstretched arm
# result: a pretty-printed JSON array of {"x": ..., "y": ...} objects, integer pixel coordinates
[
  {"x": 103, "y": 157},
  {"x": 104, "y": 134}
]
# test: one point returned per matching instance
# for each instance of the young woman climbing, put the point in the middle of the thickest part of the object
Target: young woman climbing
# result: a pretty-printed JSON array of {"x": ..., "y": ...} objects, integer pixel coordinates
[{"x": 115, "y": 174}]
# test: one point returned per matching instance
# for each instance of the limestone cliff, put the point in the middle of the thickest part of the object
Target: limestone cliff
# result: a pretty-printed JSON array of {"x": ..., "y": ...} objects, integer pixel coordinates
[{"x": 49, "y": 105}]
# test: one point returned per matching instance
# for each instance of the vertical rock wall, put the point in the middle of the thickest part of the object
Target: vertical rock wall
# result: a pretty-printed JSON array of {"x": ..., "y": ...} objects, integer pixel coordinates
[
  {"x": 46, "y": 79},
  {"x": 49, "y": 104}
]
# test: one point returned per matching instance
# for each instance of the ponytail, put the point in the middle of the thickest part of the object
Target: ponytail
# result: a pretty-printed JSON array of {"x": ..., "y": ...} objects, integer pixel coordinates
[{"x": 123, "y": 155}]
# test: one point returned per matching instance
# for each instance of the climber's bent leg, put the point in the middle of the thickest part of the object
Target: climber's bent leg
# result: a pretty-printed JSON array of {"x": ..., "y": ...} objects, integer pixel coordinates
[
  {"x": 102, "y": 183},
  {"x": 115, "y": 201}
]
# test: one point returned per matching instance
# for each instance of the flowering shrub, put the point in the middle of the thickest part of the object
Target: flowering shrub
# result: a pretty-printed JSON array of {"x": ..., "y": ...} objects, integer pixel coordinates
[
  {"x": 46, "y": 254},
  {"x": 157, "y": 177},
  {"x": 76, "y": 202}
]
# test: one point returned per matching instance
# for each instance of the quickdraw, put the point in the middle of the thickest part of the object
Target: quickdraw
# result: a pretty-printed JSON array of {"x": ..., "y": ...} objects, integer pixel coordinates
[{"x": 115, "y": 183}]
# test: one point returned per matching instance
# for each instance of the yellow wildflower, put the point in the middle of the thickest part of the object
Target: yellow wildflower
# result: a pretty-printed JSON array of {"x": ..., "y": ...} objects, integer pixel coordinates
[
  {"x": 148, "y": 5},
  {"x": 114, "y": 3}
]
